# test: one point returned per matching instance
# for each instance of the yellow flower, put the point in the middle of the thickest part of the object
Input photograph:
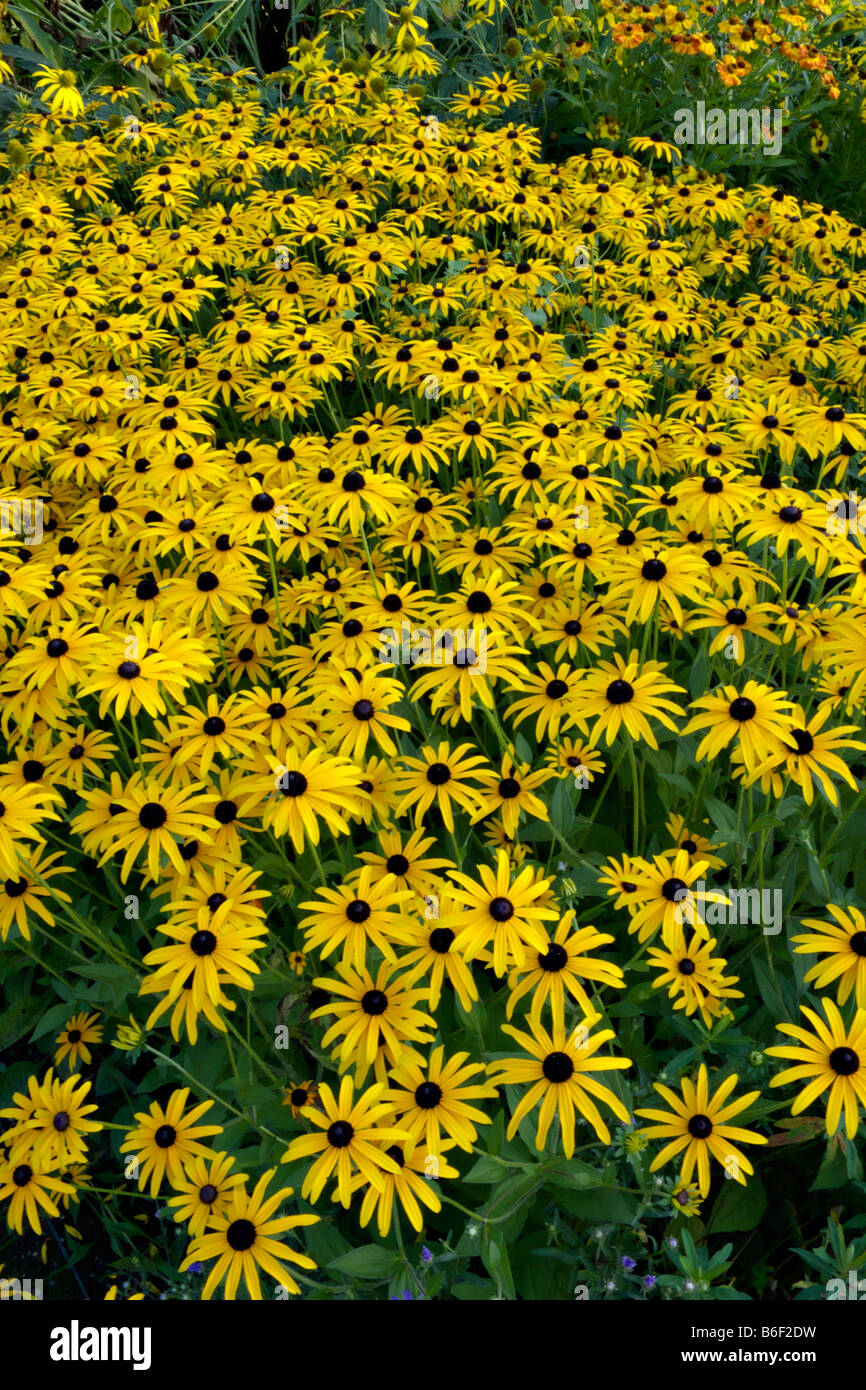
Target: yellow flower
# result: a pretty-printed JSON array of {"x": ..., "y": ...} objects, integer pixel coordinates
[
  {"x": 58, "y": 87},
  {"x": 699, "y": 1125}
]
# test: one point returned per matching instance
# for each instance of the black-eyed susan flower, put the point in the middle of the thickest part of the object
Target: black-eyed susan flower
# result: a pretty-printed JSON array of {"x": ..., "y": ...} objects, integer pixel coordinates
[
  {"x": 305, "y": 788},
  {"x": 21, "y": 810},
  {"x": 559, "y": 1072},
  {"x": 241, "y": 1239},
  {"x": 406, "y": 857},
  {"x": 829, "y": 1058},
  {"x": 669, "y": 894},
  {"x": 466, "y": 668},
  {"x": 627, "y": 693},
  {"x": 205, "y": 1189},
  {"x": 165, "y": 1138},
  {"x": 514, "y": 789},
  {"x": 443, "y": 777},
  {"x": 551, "y": 699},
  {"x": 59, "y": 1124},
  {"x": 376, "y": 1019},
  {"x": 203, "y": 959},
  {"x": 409, "y": 1189},
  {"x": 685, "y": 1199},
  {"x": 59, "y": 88},
  {"x": 697, "y": 1127},
  {"x": 694, "y": 977},
  {"x": 695, "y": 843},
  {"x": 353, "y": 1137},
  {"x": 433, "y": 951},
  {"x": 359, "y": 709},
  {"x": 24, "y": 898},
  {"x": 575, "y": 758},
  {"x": 658, "y": 580},
  {"x": 500, "y": 911},
  {"x": 730, "y": 622},
  {"x": 223, "y": 729},
  {"x": 151, "y": 820},
  {"x": 370, "y": 911},
  {"x": 808, "y": 754},
  {"x": 74, "y": 1040},
  {"x": 29, "y": 1186},
  {"x": 757, "y": 718},
  {"x": 433, "y": 1098},
  {"x": 305, "y": 1093},
  {"x": 563, "y": 966},
  {"x": 842, "y": 942}
]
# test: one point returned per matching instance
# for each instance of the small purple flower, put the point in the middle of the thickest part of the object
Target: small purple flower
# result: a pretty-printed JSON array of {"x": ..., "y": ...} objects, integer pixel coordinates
[
  {"x": 628, "y": 1262},
  {"x": 196, "y": 1267},
  {"x": 649, "y": 1281},
  {"x": 426, "y": 1255},
  {"x": 404, "y": 1296}
]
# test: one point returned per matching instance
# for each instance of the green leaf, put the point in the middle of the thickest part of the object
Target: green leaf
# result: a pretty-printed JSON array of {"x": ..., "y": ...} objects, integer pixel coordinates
[
  {"x": 768, "y": 989},
  {"x": 722, "y": 817},
  {"x": 375, "y": 19},
  {"x": 324, "y": 1243},
  {"x": 834, "y": 1169},
  {"x": 51, "y": 1019},
  {"x": 14, "y": 1079},
  {"x": 494, "y": 1255},
  {"x": 699, "y": 675},
  {"x": 487, "y": 1170},
  {"x": 472, "y": 1292},
  {"x": 853, "y": 1161},
  {"x": 738, "y": 1208},
  {"x": 367, "y": 1262},
  {"x": 15, "y": 1020},
  {"x": 37, "y": 35},
  {"x": 600, "y": 1204},
  {"x": 561, "y": 809},
  {"x": 574, "y": 1176}
]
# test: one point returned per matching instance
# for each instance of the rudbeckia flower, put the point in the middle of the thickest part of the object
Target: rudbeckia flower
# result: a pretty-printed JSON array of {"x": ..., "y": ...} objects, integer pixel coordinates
[
  {"x": 433, "y": 1097},
  {"x": 27, "y": 1186},
  {"x": 375, "y": 1018},
  {"x": 72, "y": 1041},
  {"x": 442, "y": 776},
  {"x": 829, "y": 1058},
  {"x": 560, "y": 1074},
  {"x": 205, "y": 1190},
  {"x": 627, "y": 693},
  {"x": 165, "y": 1139},
  {"x": 759, "y": 718},
  {"x": 306, "y": 788},
  {"x": 563, "y": 966},
  {"x": 241, "y": 1240},
  {"x": 59, "y": 88},
  {"x": 694, "y": 977},
  {"x": 698, "y": 1123},
  {"x": 507, "y": 912},
  {"x": 351, "y": 1140},
  {"x": 843, "y": 944},
  {"x": 353, "y": 915}
]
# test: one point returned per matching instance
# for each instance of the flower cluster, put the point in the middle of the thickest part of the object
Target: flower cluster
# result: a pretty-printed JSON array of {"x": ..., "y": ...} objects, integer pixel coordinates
[{"x": 406, "y": 540}]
